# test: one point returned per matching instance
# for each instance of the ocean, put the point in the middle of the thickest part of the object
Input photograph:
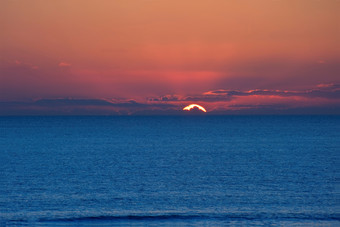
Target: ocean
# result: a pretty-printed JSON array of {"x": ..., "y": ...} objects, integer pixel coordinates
[{"x": 170, "y": 171}]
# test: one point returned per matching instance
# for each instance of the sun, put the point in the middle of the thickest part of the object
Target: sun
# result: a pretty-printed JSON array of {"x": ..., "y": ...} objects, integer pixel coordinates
[{"x": 191, "y": 106}]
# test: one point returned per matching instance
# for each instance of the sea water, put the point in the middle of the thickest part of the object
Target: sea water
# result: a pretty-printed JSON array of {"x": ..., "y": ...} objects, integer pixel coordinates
[{"x": 170, "y": 171}]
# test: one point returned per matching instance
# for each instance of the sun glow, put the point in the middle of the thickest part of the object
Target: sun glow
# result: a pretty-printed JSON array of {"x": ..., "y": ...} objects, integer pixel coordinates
[{"x": 191, "y": 106}]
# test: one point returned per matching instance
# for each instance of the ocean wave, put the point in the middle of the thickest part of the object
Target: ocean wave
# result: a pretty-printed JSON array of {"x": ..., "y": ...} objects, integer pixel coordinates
[{"x": 221, "y": 217}]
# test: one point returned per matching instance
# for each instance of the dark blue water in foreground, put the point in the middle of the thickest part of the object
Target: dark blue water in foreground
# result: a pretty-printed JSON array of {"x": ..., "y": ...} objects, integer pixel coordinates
[{"x": 151, "y": 171}]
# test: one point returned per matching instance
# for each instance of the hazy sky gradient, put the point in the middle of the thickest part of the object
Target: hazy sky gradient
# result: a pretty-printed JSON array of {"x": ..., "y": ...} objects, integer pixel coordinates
[{"x": 145, "y": 49}]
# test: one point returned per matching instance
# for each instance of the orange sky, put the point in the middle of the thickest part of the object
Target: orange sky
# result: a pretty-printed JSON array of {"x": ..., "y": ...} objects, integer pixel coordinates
[{"x": 137, "y": 49}]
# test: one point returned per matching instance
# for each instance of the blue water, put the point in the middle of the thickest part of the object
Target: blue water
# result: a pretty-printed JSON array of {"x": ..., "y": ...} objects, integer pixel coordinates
[{"x": 170, "y": 171}]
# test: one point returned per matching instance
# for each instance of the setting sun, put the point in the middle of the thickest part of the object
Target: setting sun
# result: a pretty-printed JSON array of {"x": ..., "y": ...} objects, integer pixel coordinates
[{"x": 191, "y": 106}]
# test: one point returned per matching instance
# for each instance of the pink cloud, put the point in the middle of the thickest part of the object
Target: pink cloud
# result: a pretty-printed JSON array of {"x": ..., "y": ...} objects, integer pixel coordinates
[
  {"x": 64, "y": 64},
  {"x": 325, "y": 85}
]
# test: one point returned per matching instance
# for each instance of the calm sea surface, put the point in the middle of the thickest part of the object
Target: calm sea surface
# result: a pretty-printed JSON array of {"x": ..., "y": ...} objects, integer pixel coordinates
[{"x": 168, "y": 171}]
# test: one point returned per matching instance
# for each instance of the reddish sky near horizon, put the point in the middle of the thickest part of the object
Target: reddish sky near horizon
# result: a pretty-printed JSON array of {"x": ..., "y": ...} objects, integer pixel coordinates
[{"x": 282, "y": 54}]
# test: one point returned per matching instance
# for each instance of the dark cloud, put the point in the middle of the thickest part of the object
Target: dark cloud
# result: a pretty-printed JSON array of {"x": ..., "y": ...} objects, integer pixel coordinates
[
  {"x": 328, "y": 91},
  {"x": 78, "y": 107},
  {"x": 95, "y": 102},
  {"x": 208, "y": 98},
  {"x": 72, "y": 102},
  {"x": 172, "y": 104},
  {"x": 164, "y": 98}
]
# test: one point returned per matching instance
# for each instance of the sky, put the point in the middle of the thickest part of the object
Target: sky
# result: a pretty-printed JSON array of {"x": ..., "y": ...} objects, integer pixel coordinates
[{"x": 150, "y": 57}]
